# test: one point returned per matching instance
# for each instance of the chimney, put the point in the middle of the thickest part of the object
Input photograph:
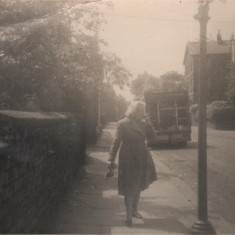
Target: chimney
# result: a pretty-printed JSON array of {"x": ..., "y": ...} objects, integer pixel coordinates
[{"x": 219, "y": 38}]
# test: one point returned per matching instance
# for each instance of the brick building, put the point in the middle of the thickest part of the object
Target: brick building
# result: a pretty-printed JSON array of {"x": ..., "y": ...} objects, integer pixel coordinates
[{"x": 218, "y": 57}]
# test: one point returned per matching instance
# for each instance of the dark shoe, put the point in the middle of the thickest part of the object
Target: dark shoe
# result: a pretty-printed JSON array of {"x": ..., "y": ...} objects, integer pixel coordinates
[
  {"x": 128, "y": 223},
  {"x": 137, "y": 215}
]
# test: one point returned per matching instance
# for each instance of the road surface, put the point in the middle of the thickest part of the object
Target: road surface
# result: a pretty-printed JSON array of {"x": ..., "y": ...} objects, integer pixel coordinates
[{"x": 221, "y": 168}]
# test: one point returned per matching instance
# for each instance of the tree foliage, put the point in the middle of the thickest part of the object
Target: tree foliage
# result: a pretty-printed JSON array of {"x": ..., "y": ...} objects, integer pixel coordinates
[
  {"x": 113, "y": 107},
  {"x": 144, "y": 82},
  {"x": 50, "y": 57},
  {"x": 20, "y": 11},
  {"x": 172, "y": 81},
  {"x": 115, "y": 71},
  {"x": 169, "y": 81}
]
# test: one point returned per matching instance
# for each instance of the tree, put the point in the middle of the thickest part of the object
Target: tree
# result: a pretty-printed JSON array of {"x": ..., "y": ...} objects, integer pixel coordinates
[
  {"x": 122, "y": 105},
  {"x": 108, "y": 104},
  {"x": 143, "y": 82},
  {"x": 22, "y": 11},
  {"x": 50, "y": 57},
  {"x": 115, "y": 72},
  {"x": 113, "y": 107},
  {"x": 172, "y": 81}
]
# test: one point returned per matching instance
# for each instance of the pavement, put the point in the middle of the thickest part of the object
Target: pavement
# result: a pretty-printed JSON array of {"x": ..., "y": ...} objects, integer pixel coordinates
[{"x": 93, "y": 205}]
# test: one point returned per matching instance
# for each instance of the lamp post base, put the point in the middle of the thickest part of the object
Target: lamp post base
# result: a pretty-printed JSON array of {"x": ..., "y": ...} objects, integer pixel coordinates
[{"x": 202, "y": 227}]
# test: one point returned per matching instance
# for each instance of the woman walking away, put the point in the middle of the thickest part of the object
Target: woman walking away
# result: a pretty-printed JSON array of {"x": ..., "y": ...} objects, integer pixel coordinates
[{"x": 136, "y": 170}]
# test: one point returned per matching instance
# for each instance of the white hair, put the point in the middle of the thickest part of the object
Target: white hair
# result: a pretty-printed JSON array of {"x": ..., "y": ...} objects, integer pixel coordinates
[{"x": 135, "y": 108}]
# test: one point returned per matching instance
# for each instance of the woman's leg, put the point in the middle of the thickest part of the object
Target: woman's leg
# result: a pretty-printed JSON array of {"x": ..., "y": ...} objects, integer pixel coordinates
[
  {"x": 135, "y": 202},
  {"x": 135, "y": 213},
  {"x": 129, "y": 201}
]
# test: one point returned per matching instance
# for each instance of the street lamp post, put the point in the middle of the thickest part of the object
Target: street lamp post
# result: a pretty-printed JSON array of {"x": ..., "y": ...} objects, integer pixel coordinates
[
  {"x": 202, "y": 225},
  {"x": 98, "y": 111}
]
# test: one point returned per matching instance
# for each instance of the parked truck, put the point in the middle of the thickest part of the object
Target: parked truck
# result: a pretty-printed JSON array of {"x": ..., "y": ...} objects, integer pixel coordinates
[{"x": 169, "y": 113}]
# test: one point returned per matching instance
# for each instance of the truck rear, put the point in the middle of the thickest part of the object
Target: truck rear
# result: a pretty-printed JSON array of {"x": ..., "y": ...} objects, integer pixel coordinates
[{"x": 169, "y": 113}]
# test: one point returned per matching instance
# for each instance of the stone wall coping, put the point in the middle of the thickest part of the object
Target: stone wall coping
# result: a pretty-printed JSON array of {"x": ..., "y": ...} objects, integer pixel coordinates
[{"x": 31, "y": 118}]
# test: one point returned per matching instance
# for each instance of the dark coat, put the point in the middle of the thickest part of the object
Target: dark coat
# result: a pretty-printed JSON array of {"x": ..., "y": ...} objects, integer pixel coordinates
[{"x": 136, "y": 170}]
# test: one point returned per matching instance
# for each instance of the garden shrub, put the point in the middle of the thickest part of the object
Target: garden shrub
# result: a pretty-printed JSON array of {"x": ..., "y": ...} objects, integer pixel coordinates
[
  {"x": 231, "y": 95},
  {"x": 220, "y": 111}
]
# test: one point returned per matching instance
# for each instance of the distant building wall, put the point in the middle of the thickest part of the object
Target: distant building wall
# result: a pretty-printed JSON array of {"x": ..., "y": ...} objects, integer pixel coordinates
[
  {"x": 217, "y": 71},
  {"x": 218, "y": 57},
  {"x": 39, "y": 153}
]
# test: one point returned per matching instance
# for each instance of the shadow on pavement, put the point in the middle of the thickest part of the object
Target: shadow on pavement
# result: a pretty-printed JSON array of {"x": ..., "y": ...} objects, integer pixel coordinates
[
  {"x": 165, "y": 219},
  {"x": 92, "y": 206},
  {"x": 189, "y": 145}
]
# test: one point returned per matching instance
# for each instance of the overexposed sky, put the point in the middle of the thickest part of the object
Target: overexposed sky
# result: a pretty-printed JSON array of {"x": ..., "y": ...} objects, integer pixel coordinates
[{"x": 151, "y": 35}]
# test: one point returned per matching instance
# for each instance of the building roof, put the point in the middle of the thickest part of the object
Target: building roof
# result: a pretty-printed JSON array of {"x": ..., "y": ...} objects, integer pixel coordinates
[
  {"x": 212, "y": 47},
  {"x": 193, "y": 48}
]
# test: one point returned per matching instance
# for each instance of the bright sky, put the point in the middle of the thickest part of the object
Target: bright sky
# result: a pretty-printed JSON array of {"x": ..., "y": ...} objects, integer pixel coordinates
[{"x": 151, "y": 35}]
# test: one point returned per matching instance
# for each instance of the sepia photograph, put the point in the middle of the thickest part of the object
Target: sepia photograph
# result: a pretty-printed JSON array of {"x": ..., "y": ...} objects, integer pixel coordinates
[{"x": 117, "y": 117}]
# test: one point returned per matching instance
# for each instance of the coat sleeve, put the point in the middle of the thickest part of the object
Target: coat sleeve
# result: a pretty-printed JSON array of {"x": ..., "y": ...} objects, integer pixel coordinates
[{"x": 115, "y": 143}]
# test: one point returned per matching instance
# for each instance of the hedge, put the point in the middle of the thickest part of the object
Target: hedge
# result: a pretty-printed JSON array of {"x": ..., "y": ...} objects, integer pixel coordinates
[{"x": 220, "y": 110}]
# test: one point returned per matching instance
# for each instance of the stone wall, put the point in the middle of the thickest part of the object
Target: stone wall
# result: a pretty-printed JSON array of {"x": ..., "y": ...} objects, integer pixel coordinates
[{"x": 39, "y": 153}]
